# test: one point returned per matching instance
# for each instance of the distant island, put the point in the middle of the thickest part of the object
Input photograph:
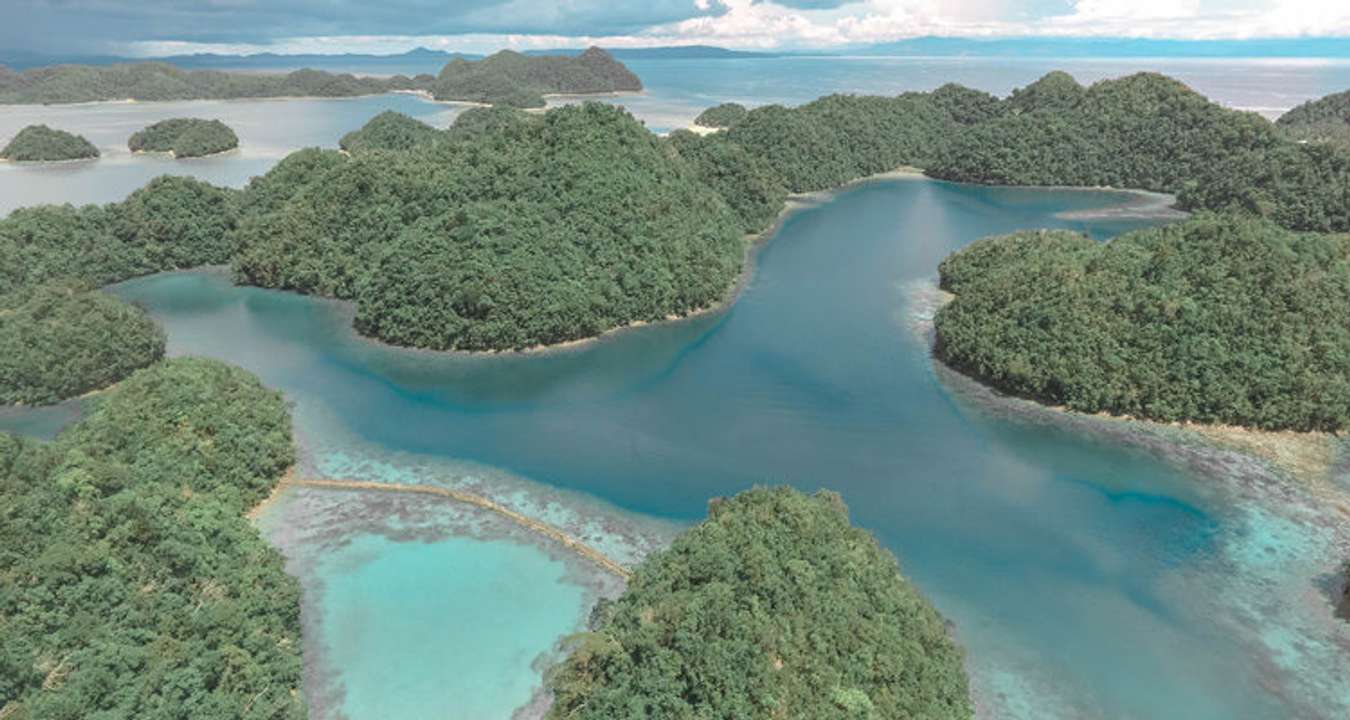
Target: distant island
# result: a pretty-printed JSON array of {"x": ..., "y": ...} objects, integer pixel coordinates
[
  {"x": 510, "y": 78},
  {"x": 185, "y": 138},
  {"x": 775, "y": 606},
  {"x": 39, "y": 143},
  {"x": 507, "y": 78}
]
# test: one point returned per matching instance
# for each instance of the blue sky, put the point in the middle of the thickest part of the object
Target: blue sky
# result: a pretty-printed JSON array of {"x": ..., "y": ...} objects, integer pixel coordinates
[{"x": 150, "y": 27}]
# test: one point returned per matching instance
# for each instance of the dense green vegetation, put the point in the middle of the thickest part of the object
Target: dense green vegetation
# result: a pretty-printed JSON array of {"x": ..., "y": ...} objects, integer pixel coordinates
[
  {"x": 1324, "y": 120},
  {"x": 1148, "y": 131},
  {"x": 1143, "y": 131},
  {"x": 1299, "y": 186},
  {"x": 39, "y": 143},
  {"x": 747, "y": 182},
  {"x": 171, "y": 223},
  {"x": 185, "y": 138},
  {"x": 59, "y": 342},
  {"x": 775, "y": 606},
  {"x": 389, "y": 131},
  {"x": 510, "y": 78},
  {"x": 721, "y": 116},
  {"x": 1219, "y": 319},
  {"x": 521, "y": 230},
  {"x": 131, "y": 584},
  {"x": 160, "y": 81}
]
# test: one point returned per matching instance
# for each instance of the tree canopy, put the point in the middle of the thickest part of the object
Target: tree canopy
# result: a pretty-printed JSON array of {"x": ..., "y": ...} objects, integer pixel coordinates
[
  {"x": 39, "y": 143},
  {"x": 523, "y": 231},
  {"x": 775, "y": 606},
  {"x": 389, "y": 131},
  {"x": 517, "y": 80},
  {"x": 131, "y": 584},
  {"x": 59, "y": 342},
  {"x": 721, "y": 116},
  {"x": 185, "y": 138},
  {"x": 1325, "y": 119},
  {"x": 1219, "y": 319}
]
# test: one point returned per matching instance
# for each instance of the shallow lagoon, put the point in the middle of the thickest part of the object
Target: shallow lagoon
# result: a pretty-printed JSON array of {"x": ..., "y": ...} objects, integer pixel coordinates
[{"x": 1089, "y": 572}]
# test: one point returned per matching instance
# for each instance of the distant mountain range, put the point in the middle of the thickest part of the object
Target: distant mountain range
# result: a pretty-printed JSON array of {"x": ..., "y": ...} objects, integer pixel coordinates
[
  {"x": 1031, "y": 47},
  {"x": 420, "y": 56}
]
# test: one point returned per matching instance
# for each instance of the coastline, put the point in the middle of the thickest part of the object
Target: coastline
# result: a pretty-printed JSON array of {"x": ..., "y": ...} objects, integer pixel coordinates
[
  {"x": 29, "y": 163},
  {"x": 173, "y": 155},
  {"x": 753, "y": 243},
  {"x": 1307, "y": 457}
]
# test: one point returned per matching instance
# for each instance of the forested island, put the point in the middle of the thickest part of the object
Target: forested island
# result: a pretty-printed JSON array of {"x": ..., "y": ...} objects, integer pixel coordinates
[
  {"x": 185, "y": 138},
  {"x": 510, "y": 78},
  {"x": 60, "y": 339},
  {"x": 39, "y": 143},
  {"x": 507, "y": 78},
  {"x": 775, "y": 606},
  {"x": 1218, "y": 319},
  {"x": 131, "y": 583}
]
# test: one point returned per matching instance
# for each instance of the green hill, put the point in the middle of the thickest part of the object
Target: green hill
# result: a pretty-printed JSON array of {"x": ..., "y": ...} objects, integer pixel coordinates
[
  {"x": 510, "y": 78},
  {"x": 526, "y": 230},
  {"x": 1323, "y": 120},
  {"x": 185, "y": 138},
  {"x": 39, "y": 143},
  {"x": 59, "y": 342},
  {"x": 772, "y": 607},
  {"x": 131, "y": 584},
  {"x": 389, "y": 131},
  {"x": 1219, "y": 319},
  {"x": 721, "y": 116}
]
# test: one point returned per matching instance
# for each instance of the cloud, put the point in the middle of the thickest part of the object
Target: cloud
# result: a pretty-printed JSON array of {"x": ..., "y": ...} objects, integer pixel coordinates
[
  {"x": 155, "y": 26},
  {"x": 105, "y": 23}
]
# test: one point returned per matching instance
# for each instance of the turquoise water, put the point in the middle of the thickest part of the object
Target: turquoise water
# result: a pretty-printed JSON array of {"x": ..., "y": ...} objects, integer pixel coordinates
[
  {"x": 441, "y": 629},
  {"x": 1089, "y": 573}
]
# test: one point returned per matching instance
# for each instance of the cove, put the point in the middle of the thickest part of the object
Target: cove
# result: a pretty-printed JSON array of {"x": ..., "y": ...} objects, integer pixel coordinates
[{"x": 1086, "y": 576}]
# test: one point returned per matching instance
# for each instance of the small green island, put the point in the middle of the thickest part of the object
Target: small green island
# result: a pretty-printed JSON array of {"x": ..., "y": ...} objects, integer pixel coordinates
[
  {"x": 131, "y": 582},
  {"x": 185, "y": 138},
  {"x": 505, "y": 78},
  {"x": 775, "y": 606},
  {"x": 39, "y": 143},
  {"x": 721, "y": 116}
]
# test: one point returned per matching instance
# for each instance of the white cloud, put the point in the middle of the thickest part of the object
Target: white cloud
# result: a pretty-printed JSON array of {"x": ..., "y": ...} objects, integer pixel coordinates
[{"x": 764, "y": 24}]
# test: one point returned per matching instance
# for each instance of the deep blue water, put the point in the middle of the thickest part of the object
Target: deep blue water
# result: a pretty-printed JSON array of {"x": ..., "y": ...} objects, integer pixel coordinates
[{"x": 1083, "y": 577}]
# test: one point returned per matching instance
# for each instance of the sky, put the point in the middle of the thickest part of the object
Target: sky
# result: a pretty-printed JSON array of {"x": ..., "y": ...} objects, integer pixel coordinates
[{"x": 161, "y": 27}]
